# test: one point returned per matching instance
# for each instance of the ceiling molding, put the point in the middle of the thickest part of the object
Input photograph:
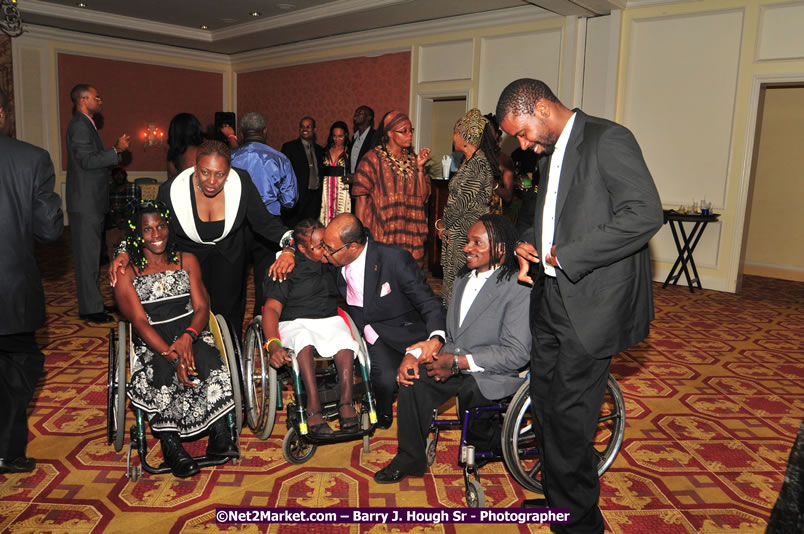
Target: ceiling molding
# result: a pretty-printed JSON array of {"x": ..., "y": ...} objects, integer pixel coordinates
[
  {"x": 49, "y": 9},
  {"x": 500, "y": 17},
  {"x": 217, "y": 62},
  {"x": 300, "y": 17}
]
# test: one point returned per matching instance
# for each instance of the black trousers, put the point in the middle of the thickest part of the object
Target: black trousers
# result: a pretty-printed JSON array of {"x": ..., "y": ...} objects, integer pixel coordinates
[
  {"x": 86, "y": 230},
  {"x": 263, "y": 254},
  {"x": 415, "y": 413},
  {"x": 567, "y": 386},
  {"x": 384, "y": 364},
  {"x": 21, "y": 364}
]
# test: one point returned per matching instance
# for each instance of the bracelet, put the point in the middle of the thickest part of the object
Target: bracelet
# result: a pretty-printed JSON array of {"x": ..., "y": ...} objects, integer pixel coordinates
[
  {"x": 288, "y": 251},
  {"x": 279, "y": 341},
  {"x": 192, "y": 333},
  {"x": 436, "y": 225},
  {"x": 174, "y": 362}
]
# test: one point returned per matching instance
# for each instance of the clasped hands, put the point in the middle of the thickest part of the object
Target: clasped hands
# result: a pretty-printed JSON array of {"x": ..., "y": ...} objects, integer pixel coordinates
[
  {"x": 185, "y": 367},
  {"x": 439, "y": 366}
]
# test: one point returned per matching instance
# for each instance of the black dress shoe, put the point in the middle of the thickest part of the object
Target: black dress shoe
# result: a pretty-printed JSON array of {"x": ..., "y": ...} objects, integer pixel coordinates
[
  {"x": 220, "y": 441},
  {"x": 100, "y": 317},
  {"x": 21, "y": 464},
  {"x": 180, "y": 462},
  {"x": 534, "y": 503},
  {"x": 385, "y": 421},
  {"x": 390, "y": 475}
]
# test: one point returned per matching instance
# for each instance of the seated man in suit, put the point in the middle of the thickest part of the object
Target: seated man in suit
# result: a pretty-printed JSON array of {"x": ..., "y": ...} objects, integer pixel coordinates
[
  {"x": 388, "y": 297},
  {"x": 487, "y": 344}
]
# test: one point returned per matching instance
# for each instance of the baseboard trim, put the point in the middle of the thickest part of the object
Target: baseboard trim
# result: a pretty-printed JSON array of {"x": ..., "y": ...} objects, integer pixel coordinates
[{"x": 774, "y": 271}]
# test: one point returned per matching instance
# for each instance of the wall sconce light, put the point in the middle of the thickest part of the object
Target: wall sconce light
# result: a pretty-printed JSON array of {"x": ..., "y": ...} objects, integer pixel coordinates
[
  {"x": 10, "y": 18},
  {"x": 152, "y": 136}
]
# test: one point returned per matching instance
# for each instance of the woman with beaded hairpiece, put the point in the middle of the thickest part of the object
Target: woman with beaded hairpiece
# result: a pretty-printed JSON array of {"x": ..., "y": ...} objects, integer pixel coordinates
[
  {"x": 178, "y": 379},
  {"x": 469, "y": 192},
  {"x": 391, "y": 187}
]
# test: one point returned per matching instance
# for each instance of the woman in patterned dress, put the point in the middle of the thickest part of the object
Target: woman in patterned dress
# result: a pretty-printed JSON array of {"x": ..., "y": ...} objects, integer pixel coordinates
[
  {"x": 178, "y": 378},
  {"x": 469, "y": 192},
  {"x": 391, "y": 187},
  {"x": 335, "y": 197}
]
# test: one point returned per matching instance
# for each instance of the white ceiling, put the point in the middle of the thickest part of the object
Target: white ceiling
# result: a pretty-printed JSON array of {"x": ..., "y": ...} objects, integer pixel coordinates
[{"x": 232, "y": 29}]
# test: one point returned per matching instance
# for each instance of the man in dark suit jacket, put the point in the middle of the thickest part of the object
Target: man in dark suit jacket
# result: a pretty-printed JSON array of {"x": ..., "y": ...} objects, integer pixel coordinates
[
  {"x": 597, "y": 209},
  {"x": 487, "y": 344},
  {"x": 29, "y": 209},
  {"x": 307, "y": 158},
  {"x": 388, "y": 297},
  {"x": 363, "y": 138},
  {"x": 88, "y": 197}
]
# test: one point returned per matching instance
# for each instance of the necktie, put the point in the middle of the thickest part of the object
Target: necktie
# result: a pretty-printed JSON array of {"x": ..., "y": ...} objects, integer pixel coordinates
[{"x": 313, "y": 176}]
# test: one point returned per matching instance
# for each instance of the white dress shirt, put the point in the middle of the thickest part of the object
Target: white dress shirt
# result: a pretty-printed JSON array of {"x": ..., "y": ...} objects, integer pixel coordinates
[
  {"x": 551, "y": 195},
  {"x": 357, "y": 144}
]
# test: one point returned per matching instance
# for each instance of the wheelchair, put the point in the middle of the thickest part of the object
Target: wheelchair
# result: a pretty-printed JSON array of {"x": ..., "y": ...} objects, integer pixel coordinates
[
  {"x": 263, "y": 386},
  {"x": 520, "y": 452},
  {"x": 121, "y": 350}
]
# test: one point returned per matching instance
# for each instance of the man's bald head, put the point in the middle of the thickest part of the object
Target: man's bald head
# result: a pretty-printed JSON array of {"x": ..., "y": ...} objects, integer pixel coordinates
[{"x": 344, "y": 239}]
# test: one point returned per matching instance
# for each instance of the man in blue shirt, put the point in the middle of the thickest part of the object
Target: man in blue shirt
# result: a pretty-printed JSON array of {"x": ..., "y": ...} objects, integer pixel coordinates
[{"x": 273, "y": 175}]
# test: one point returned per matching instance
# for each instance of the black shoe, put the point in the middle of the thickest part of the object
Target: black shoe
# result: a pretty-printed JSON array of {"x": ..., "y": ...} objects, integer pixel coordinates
[
  {"x": 180, "y": 462},
  {"x": 534, "y": 503},
  {"x": 100, "y": 317},
  {"x": 349, "y": 424},
  {"x": 21, "y": 464},
  {"x": 390, "y": 475},
  {"x": 220, "y": 441},
  {"x": 384, "y": 421},
  {"x": 110, "y": 309}
]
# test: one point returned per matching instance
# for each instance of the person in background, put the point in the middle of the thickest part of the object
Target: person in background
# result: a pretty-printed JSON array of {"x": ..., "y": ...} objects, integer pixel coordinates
[
  {"x": 469, "y": 192},
  {"x": 598, "y": 207},
  {"x": 335, "y": 197},
  {"x": 88, "y": 162},
  {"x": 29, "y": 210},
  {"x": 391, "y": 187},
  {"x": 122, "y": 196},
  {"x": 504, "y": 178},
  {"x": 184, "y": 137},
  {"x": 307, "y": 158},
  {"x": 272, "y": 174},
  {"x": 363, "y": 140}
]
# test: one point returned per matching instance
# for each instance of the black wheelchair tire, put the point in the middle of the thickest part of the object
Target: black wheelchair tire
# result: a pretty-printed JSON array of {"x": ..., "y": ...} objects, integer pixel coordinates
[
  {"x": 120, "y": 386},
  {"x": 295, "y": 449},
  {"x": 234, "y": 370}
]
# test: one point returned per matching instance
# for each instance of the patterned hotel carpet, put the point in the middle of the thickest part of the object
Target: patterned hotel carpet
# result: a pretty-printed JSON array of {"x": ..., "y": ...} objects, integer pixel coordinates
[{"x": 714, "y": 399}]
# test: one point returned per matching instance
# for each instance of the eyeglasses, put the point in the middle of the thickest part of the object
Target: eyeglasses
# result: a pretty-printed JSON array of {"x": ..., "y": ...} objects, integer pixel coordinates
[
  {"x": 405, "y": 131},
  {"x": 99, "y": 99},
  {"x": 330, "y": 252}
]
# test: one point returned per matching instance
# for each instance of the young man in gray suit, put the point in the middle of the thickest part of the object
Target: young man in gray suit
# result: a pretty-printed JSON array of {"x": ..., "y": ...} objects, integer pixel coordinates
[
  {"x": 29, "y": 209},
  {"x": 88, "y": 197},
  {"x": 596, "y": 210},
  {"x": 487, "y": 345}
]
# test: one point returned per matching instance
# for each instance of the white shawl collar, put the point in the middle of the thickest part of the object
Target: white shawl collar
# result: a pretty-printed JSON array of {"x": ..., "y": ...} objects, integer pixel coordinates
[{"x": 183, "y": 207}]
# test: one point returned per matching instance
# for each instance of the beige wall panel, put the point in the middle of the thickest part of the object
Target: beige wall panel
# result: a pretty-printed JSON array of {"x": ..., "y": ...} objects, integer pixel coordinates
[
  {"x": 600, "y": 66},
  {"x": 30, "y": 99},
  {"x": 447, "y": 61},
  {"x": 776, "y": 227},
  {"x": 525, "y": 55},
  {"x": 679, "y": 101},
  {"x": 780, "y": 34}
]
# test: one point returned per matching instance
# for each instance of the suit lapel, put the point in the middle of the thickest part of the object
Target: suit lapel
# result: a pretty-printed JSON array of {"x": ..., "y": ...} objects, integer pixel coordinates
[
  {"x": 371, "y": 277},
  {"x": 544, "y": 175},
  {"x": 572, "y": 156},
  {"x": 482, "y": 302},
  {"x": 454, "y": 308}
]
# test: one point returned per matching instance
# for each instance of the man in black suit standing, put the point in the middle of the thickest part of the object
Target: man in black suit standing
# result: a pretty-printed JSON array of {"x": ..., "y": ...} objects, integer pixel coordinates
[
  {"x": 364, "y": 134},
  {"x": 388, "y": 297},
  {"x": 29, "y": 209},
  {"x": 307, "y": 158},
  {"x": 596, "y": 211},
  {"x": 88, "y": 197}
]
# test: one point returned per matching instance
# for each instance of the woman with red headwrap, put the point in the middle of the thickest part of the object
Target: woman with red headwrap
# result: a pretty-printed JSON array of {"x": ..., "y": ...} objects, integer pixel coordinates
[{"x": 391, "y": 187}]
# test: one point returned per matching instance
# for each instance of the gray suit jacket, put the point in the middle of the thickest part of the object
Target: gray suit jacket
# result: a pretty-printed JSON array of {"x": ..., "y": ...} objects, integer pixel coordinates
[
  {"x": 606, "y": 212},
  {"x": 29, "y": 209},
  {"x": 495, "y": 332},
  {"x": 87, "y": 167}
]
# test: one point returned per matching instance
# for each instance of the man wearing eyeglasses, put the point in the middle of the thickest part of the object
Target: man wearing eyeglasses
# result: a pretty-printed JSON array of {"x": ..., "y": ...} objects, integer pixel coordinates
[
  {"x": 388, "y": 297},
  {"x": 306, "y": 156},
  {"x": 88, "y": 162}
]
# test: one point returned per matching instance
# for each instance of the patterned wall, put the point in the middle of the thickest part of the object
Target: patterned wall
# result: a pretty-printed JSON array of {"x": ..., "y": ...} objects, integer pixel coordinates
[
  {"x": 327, "y": 91},
  {"x": 6, "y": 78},
  {"x": 135, "y": 94}
]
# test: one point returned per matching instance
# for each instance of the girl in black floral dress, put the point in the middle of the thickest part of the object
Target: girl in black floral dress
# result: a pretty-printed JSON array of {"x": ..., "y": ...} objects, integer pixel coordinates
[{"x": 178, "y": 378}]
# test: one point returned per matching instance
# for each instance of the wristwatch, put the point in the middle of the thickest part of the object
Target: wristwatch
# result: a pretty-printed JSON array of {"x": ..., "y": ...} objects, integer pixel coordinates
[{"x": 456, "y": 365}]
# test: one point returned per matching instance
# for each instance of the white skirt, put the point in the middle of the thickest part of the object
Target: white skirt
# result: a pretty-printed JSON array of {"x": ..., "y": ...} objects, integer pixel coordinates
[{"x": 328, "y": 335}]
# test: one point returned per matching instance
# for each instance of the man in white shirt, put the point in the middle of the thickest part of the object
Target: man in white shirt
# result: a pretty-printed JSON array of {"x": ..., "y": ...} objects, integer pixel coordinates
[
  {"x": 487, "y": 344},
  {"x": 364, "y": 133},
  {"x": 596, "y": 210}
]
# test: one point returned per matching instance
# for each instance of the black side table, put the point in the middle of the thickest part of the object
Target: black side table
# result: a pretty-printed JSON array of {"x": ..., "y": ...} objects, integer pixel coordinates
[{"x": 686, "y": 246}]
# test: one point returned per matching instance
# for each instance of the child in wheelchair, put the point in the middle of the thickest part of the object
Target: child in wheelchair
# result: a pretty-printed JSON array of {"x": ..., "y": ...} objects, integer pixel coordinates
[
  {"x": 178, "y": 378},
  {"x": 300, "y": 314}
]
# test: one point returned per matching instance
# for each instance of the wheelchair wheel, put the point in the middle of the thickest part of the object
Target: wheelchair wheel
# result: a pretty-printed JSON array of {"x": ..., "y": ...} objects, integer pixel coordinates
[
  {"x": 260, "y": 383},
  {"x": 475, "y": 497},
  {"x": 295, "y": 449},
  {"x": 431, "y": 448},
  {"x": 231, "y": 355},
  {"x": 116, "y": 387},
  {"x": 520, "y": 450},
  {"x": 365, "y": 422}
]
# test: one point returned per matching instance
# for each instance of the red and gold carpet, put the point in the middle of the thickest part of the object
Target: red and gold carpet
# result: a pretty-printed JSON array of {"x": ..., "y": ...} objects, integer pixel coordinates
[{"x": 714, "y": 399}]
